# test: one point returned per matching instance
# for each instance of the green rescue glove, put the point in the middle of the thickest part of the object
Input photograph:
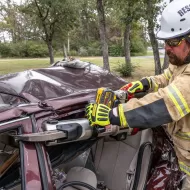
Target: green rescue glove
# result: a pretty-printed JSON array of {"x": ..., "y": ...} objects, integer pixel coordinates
[
  {"x": 137, "y": 86},
  {"x": 100, "y": 114}
]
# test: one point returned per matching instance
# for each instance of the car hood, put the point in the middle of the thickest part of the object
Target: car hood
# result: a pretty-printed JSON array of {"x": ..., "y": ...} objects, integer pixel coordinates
[
  {"x": 61, "y": 79},
  {"x": 63, "y": 84}
]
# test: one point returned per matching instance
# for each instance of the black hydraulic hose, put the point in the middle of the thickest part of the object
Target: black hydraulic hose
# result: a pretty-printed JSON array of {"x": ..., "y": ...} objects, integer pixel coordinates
[{"x": 79, "y": 183}]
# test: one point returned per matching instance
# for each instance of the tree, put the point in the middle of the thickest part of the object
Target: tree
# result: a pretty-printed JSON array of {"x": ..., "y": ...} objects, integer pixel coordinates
[
  {"x": 166, "y": 62},
  {"x": 166, "y": 58},
  {"x": 52, "y": 17},
  {"x": 152, "y": 10},
  {"x": 128, "y": 11},
  {"x": 103, "y": 35},
  {"x": 9, "y": 23},
  {"x": 14, "y": 22}
]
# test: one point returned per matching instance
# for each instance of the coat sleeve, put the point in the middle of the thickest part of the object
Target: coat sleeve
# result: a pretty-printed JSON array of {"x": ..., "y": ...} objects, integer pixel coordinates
[
  {"x": 161, "y": 81},
  {"x": 164, "y": 106}
]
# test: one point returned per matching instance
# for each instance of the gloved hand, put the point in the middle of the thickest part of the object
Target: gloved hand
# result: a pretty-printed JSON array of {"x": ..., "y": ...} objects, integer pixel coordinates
[
  {"x": 137, "y": 86},
  {"x": 100, "y": 114}
]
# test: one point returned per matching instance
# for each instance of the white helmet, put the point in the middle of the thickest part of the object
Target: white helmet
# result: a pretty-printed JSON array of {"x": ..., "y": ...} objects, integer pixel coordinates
[{"x": 175, "y": 20}]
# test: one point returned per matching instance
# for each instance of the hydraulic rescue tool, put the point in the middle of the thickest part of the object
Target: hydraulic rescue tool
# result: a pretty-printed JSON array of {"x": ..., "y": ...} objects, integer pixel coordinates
[
  {"x": 111, "y": 99},
  {"x": 66, "y": 131}
]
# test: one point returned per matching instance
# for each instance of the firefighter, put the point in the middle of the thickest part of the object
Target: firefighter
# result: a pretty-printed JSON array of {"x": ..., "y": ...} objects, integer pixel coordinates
[{"x": 169, "y": 99}]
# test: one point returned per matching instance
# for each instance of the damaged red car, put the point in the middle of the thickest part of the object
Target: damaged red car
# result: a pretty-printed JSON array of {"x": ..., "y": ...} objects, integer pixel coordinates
[{"x": 47, "y": 143}]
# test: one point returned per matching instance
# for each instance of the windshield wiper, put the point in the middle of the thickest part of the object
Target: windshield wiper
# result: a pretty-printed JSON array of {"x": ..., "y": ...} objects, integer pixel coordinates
[{"x": 21, "y": 97}]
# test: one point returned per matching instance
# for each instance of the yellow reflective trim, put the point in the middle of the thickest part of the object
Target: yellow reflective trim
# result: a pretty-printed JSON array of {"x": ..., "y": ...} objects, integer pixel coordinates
[
  {"x": 167, "y": 74},
  {"x": 122, "y": 117},
  {"x": 178, "y": 100},
  {"x": 170, "y": 74},
  {"x": 154, "y": 85},
  {"x": 185, "y": 136},
  {"x": 175, "y": 103},
  {"x": 181, "y": 98},
  {"x": 150, "y": 82},
  {"x": 184, "y": 168}
]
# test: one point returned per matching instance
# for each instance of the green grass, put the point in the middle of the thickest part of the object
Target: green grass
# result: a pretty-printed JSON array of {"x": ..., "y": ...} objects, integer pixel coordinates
[
  {"x": 149, "y": 53},
  {"x": 144, "y": 66}
]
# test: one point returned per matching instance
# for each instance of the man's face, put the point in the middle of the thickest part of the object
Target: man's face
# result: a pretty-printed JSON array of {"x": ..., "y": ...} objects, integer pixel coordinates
[{"x": 178, "y": 54}]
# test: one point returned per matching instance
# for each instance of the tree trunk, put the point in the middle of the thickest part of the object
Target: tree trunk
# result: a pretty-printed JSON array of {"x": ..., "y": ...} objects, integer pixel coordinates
[
  {"x": 154, "y": 42},
  {"x": 166, "y": 62},
  {"x": 68, "y": 44},
  {"x": 65, "y": 52},
  {"x": 127, "y": 48},
  {"x": 103, "y": 38},
  {"x": 50, "y": 49}
]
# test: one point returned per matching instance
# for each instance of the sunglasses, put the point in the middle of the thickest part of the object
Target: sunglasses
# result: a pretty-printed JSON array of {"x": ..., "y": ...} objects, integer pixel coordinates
[{"x": 174, "y": 42}]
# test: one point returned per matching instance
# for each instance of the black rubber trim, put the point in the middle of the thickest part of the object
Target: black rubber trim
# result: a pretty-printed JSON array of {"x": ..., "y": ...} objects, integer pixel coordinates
[
  {"x": 41, "y": 162},
  {"x": 139, "y": 164},
  {"x": 21, "y": 147}
]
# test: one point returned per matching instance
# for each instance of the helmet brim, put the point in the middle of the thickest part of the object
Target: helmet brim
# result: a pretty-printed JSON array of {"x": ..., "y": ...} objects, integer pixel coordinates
[{"x": 166, "y": 36}]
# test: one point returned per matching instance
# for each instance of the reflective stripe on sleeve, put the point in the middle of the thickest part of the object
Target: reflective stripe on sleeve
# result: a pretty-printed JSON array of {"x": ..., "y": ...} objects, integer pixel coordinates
[
  {"x": 122, "y": 117},
  {"x": 178, "y": 100},
  {"x": 182, "y": 135},
  {"x": 154, "y": 85},
  {"x": 184, "y": 168},
  {"x": 167, "y": 74}
]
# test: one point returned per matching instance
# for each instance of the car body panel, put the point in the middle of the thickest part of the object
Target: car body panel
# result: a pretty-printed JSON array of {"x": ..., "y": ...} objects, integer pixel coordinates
[{"x": 54, "y": 93}]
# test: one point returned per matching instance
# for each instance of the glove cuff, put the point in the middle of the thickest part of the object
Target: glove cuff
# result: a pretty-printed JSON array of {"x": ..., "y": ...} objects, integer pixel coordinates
[
  {"x": 146, "y": 84},
  {"x": 117, "y": 116},
  {"x": 114, "y": 119}
]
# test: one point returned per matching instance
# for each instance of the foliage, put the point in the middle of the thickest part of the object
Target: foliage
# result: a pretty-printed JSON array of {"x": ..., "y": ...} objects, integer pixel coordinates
[
  {"x": 5, "y": 50},
  {"x": 16, "y": 24},
  {"x": 83, "y": 51},
  {"x": 53, "y": 18},
  {"x": 23, "y": 49},
  {"x": 116, "y": 50},
  {"x": 73, "y": 53},
  {"x": 125, "y": 70},
  {"x": 60, "y": 21},
  {"x": 138, "y": 47}
]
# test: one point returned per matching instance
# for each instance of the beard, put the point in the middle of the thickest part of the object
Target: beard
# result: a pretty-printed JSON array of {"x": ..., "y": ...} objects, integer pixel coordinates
[{"x": 174, "y": 60}]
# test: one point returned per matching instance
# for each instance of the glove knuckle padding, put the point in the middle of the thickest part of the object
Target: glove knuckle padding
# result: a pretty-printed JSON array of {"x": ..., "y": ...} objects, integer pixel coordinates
[
  {"x": 98, "y": 114},
  {"x": 102, "y": 119},
  {"x": 102, "y": 114},
  {"x": 103, "y": 110},
  {"x": 103, "y": 106}
]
